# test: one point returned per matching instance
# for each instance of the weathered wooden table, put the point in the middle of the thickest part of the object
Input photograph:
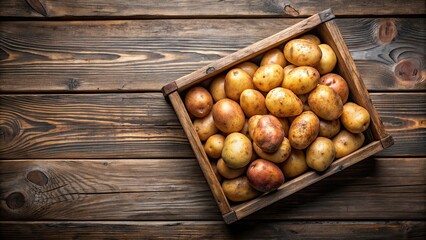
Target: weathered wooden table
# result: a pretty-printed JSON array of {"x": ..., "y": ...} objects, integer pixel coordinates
[{"x": 89, "y": 148}]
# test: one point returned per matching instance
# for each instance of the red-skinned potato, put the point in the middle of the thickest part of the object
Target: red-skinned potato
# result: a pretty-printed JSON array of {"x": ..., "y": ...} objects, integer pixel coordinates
[
  {"x": 253, "y": 103},
  {"x": 328, "y": 60},
  {"x": 252, "y": 124},
  {"x": 239, "y": 189},
  {"x": 337, "y": 83},
  {"x": 355, "y": 118},
  {"x": 301, "y": 52},
  {"x": 273, "y": 56},
  {"x": 264, "y": 175},
  {"x": 205, "y": 127},
  {"x": 325, "y": 103},
  {"x": 268, "y": 77},
  {"x": 295, "y": 164},
  {"x": 248, "y": 67},
  {"x": 198, "y": 102},
  {"x": 236, "y": 81},
  {"x": 228, "y": 116},
  {"x": 217, "y": 88},
  {"x": 268, "y": 133},
  {"x": 303, "y": 130}
]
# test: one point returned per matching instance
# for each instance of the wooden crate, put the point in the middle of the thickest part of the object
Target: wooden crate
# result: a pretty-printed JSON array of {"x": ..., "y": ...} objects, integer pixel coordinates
[{"x": 323, "y": 25}]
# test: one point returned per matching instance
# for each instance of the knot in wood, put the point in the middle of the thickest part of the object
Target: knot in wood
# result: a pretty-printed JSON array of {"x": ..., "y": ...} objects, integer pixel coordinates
[
  {"x": 9, "y": 130},
  {"x": 73, "y": 84},
  {"x": 37, "y": 177},
  {"x": 210, "y": 70},
  {"x": 15, "y": 200},
  {"x": 386, "y": 31},
  {"x": 408, "y": 70}
]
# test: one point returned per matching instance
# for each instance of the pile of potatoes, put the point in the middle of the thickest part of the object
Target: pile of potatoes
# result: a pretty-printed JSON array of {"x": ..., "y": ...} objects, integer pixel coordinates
[{"x": 263, "y": 124}]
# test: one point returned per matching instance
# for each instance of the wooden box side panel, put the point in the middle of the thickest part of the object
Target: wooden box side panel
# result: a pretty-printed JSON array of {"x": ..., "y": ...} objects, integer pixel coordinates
[
  {"x": 200, "y": 154},
  {"x": 346, "y": 67}
]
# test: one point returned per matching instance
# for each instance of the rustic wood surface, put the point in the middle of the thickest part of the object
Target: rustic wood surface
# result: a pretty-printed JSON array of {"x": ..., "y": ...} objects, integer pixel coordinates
[{"x": 90, "y": 149}]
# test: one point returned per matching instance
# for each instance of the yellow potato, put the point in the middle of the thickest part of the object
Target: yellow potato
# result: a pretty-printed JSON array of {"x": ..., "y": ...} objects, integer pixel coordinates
[
  {"x": 227, "y": 172},
  {"x": 329, "y": 129},
  {"x": 311, "y": 38},
  {"x": 301, "y": 52},
  {"x": 245, "y": 129},
  {"x": 346, "y": 142},
  {"x": 295, "y": 164},
  {"x": 214, "y": 145},
  {"x": 239, "y": 189},
  {"x": 205, "y": 127},
  {"x": 253, "y": 103},
  {"x": 248, "y": 67},
  {"x": 328, "y": 60},
  {"x": 301, "y": 80},
  {"x": 217, "y": 88},
  {"x": 288, "y": 68},
  {"x": 282, "y": 102},
  {"x": 285, "y": 124},
  {"x": 252, "y": 124},
  {"x": 303, "y": 130},
  {"x": 228, "y": 116},
  {"x": 277, "y": 157},
  {"x": 320, "y": 154},
  {"x": 198, "y": 102},
  {"x": 325, "y": 103},
  {"x": 355, "y": 118},
  {"x": 304, "y": 99},
  {"x": 236, "y": 81},
  {"x": 237, "y": 150},
  {"x": 268, "y": 77},
  {"x": 273, "y": 56}
]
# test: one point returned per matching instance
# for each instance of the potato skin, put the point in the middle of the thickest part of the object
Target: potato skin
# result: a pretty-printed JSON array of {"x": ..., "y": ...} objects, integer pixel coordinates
[
  {"x": 337, "y": 83},
  {"x": 239, "y": 189},
  {"x": 217, "y": 88},
  {"x": 301, "y": 80},
  {"x": 236, "y": 81},
  {"x": 237, "y": 150},
  {"x": 325, "y": 103},
  {"x": 248, "y": 67},
  {"x": 273, "y": 56},
  {"x": 279, "y": 156},
  {"x": 295, "y": 164},
  {"x": 264, "y": 175},
  {"x": 328, "y": 60},
  {"x": 227, "y": 172},
  {"x": 329, "y": 129},
  {"x": 253, "y": 103},
  {"x": 282, "y": 102},
  {"x": 205, "y": 127},
  {"x": 346, "y": 142},
  {"x": 311, "y": 38},
  {"x": 303, "y": 130},
  {"x": 268, "y": 134},
  {"x": 355, "y": 118},
  {"x": 301, "y": 52},
  {"x": 228, "y": 116},
  {"x": 252, "y": 124},
  {"x": 268, "y": 77},
  {"x": 198, "y": 102},
  {"x": 214, "y": 145},
  {"x": 320, "y": 154},
  {"x": 285, "y": 124}
]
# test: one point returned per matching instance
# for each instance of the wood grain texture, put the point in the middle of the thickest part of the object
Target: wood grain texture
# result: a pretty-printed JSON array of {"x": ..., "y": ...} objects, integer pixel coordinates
[
  {"x": 175, "y": 189},
  {"x": 204, "y": 8},
  {"x": 71, "y": 56},
  {"x": 144, "y": 125},
  {"x": 214, "y": 230}
]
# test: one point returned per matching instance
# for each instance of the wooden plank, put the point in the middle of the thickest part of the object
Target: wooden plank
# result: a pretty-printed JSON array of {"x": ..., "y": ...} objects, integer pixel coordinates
[
  {"x": 144, "y": 125},
  {"x": 206, "y": 8},
  {"x": 62, "y": 56},
  {"x": 175, "y": 189},
  {"x": 213, "y": 230}
]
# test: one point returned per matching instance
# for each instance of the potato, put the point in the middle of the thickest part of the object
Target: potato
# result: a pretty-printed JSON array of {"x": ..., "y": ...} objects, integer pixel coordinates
[
  {"x": 239, "y": 189},
  {"x": 268, "y": 134},
  {"x": 217, "y": 88},
  {"x": 216, "y": 173},
  {"x": 337, "y": 83},
  {"x": 253, "y": 103},
  {"x": 228, "y": 116},
  {"x": 236, "y": 81},
  {"x": 214, "y": 145},
  {"x": 288, "y": 68},
  {"x": 273, "y": 56},
  {"x": 264, "y": 175},
  {"x": 227, "y": 172},
  {"x": 329, "y": 129},
  {"x": 282, "y": 102},
  {"x": 198, "y": 102},
  {"x": 253, "y": 124},
  {"x": 278, "y": 156},
  {"x": 328, "y": 60},
  {"x": 303, "y": 130},
  {"x": 205, "y": 127},
  {"x": 245, "y": 129},
  {"x": 268, "y": 77},
  {"x": 301, "y": 80},
  {"x": 325, "y": 103},
  {"x": 301, "y": 52},
  {"x": 304, "y": 99},
  {"x": 312, "y": 38},
  {"x": 248, "y": 67},
  {"x": 346, "y": 142},
  {"x": 285, "y": 124},
  {"x": 320, "y": 154},
  {"x": 237, "y": 150},
  {"x": 295, "y": 164},
  {"x": 355, "y": 118}
]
